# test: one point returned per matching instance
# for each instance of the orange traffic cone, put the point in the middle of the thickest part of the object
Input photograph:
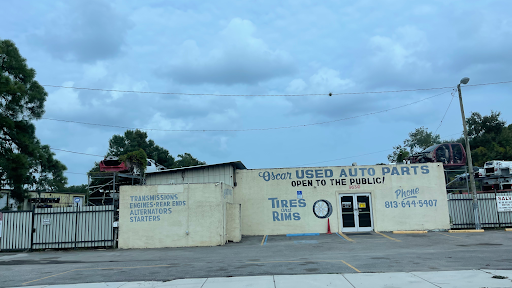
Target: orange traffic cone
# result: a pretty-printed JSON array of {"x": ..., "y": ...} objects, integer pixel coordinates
[{"x": 328, "y": 227}]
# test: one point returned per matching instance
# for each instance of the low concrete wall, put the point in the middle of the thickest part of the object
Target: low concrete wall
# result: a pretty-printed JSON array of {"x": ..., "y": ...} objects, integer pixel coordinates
[
  {"x": 155, "y": 216},
  {"x": 263, "y": 192},
  {"x": 234, "y": 222}
]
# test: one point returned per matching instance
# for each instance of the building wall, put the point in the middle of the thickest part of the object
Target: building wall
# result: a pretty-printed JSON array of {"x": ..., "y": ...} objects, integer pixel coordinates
[
  {"x": 154, "y": 216},
  {"x": 208, "y": 174},
  {"x": 66, "y": 199},
  {"x": 234, "y": 222},
  {"x": 257, "y": 191}
]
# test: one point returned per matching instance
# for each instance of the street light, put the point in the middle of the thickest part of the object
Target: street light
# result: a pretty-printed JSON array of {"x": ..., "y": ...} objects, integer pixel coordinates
[{"x": 465, "y": 80}]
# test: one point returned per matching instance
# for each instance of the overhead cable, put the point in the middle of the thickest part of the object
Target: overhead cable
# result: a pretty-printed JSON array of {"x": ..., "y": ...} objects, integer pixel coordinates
[
  {"x": 76, "y": 152},
  {"x": 252, "y": 129},
  {"x": 441, "y": 123},
  {"x": 263, "y": 95}
]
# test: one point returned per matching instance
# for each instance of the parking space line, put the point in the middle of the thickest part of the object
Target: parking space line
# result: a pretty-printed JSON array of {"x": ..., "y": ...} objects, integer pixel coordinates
[
  {"x": 388, "y": 237},
  {"x": 351, "y": 266},
  {"x": 104, "y": 268},
  {"x": 345, "y": 236},
  {"x": 450, "y": 235},
  {"x": 47, "y": 277},
  {"x": 263, "y": 240}
]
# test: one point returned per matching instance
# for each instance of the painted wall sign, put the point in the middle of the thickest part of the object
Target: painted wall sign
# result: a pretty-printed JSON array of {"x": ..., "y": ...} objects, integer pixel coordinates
[
  {"x": 504, "y": 203},
  {"x": 286, "y": 208},
  {"x": 352, "y": 177},
  {"x": 150, "y": 208},
  {"x": 409, "y": 199}
]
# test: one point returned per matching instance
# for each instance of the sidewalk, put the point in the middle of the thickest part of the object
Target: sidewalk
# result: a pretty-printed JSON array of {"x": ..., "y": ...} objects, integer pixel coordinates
[{"x": 466, "y": 279}]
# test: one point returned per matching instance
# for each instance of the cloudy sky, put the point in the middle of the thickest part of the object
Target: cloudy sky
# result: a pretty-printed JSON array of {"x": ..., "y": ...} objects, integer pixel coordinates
[{"x": 263, "y": 48}]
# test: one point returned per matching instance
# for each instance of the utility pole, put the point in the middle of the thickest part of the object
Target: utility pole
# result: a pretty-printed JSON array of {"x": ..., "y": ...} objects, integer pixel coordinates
[{"x": 465, "y": 80}]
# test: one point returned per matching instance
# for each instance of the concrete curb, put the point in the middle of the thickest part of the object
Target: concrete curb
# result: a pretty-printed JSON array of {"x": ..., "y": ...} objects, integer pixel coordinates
[
  {"x": 465, "y": 231},
  {"x": 410, "y": 232}
]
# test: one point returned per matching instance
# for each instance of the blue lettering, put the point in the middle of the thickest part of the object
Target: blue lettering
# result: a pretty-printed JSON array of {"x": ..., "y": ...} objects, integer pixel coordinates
[
  {"x": 362, "y": 171},
  {"x": 309, "y": 174},
  {"x": 296, "y": 216},
  {"x": 328, "y": 173},
  {"x": 343, "y": 173},
  {"x": 405, "y": 170},
  {"x": 284, "y": 203},
  {"x": 287, "y": 216},
  {"x": 414, "y": 168},
  {"x": 293, "y": 203},
  {"x": 371, "y": 171},
  {"x": 424, "y": 169},
  {"x": 350, "y": 172},
  {"x": 265, "y": 175},
  {"x": 319, "y": 173},
  {"x": 385, "y": 170},
  {"x": 394, "y": 171},
  {"x": 302, "y": 202},
  {"x": 301, "y": 174},
  {"x": 273, "y": 203}
]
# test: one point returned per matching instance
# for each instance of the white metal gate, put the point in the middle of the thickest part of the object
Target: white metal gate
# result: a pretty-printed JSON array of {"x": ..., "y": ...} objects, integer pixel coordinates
[
  {"x": 462, "y": 216},
  {"x": 63, "y": 227}
]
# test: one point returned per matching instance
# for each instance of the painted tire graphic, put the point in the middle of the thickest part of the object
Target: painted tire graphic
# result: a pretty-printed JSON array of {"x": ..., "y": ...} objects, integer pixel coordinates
[{"x": 322, "y": 209}]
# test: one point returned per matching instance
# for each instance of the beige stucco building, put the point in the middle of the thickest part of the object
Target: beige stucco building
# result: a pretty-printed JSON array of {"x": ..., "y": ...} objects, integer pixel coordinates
[{"x": 212, "y": 204}]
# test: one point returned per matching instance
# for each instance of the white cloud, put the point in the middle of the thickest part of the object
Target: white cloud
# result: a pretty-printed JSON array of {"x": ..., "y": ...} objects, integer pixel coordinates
[
  {"x": 237, "y": 57},
  {"x": 400, "y": 51}
]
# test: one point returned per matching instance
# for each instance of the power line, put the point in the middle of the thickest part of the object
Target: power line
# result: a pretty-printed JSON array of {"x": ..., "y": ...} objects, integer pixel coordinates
[
  {"x": 76, "y": 152},
  {"x": 246, "y": 95},
  {"x": 263, "y": 95},
  {"x": 453, "y": 96},
  {"x": 253, "y": 129}
]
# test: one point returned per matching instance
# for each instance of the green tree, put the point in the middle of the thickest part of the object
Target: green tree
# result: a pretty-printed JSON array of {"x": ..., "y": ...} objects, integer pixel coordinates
[
  {"x": 420, "y": 139},
  {"x": 489, "y": 138},
  {"x": 187, "y": 160},
  {"x": 133, "y": 140},
  {"x": 24, "y": 163},
  {"x": 399, "y": 154},
  {"x": 79, "y": 189}
]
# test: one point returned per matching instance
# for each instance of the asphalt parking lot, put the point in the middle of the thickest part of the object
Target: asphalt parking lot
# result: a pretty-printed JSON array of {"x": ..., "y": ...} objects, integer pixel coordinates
[{"x": 265, "y": 255}]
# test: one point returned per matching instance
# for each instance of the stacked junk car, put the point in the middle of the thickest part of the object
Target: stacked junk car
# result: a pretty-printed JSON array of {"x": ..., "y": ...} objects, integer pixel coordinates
[{"x": 494, "y": 176}]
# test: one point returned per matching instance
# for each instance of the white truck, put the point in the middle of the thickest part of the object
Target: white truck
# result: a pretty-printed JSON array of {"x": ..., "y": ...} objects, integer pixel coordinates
[{"x": 498, "y": 168}]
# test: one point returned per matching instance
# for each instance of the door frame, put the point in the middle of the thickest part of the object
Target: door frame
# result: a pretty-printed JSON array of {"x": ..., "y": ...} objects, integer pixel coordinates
[{"x": 356, "y": 218}]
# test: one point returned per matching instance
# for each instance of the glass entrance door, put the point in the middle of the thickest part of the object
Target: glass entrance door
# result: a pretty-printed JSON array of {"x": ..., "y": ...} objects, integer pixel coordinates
[{"x": 356, "y": 212}]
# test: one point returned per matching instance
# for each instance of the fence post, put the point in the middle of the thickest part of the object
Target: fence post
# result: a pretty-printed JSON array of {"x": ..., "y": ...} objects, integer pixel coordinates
[
  {"x": 76, "y": 221},
  {"x": 32, "y": 229},
  {"x": 497, "y": 212}
]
